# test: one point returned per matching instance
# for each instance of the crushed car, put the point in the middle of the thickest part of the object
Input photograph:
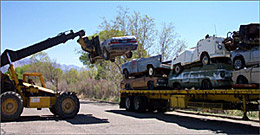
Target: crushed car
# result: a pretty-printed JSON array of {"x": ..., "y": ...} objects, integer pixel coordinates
[
  {"x": 244, "y": 46},
  {"x": 207, "y": 50},
  {"x": 151, "y": 66},
  {"x": 205, "y": 77},
  {"x": 109, "y": 49}
]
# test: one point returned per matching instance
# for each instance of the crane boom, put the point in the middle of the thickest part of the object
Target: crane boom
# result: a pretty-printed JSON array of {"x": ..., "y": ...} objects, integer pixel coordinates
[{"x": 48, "y": 43}]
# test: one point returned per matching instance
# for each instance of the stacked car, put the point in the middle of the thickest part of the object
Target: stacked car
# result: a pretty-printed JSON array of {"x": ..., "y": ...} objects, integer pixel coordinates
[
  {"x": 145, "y": 73},
  {"x": 244, "y": 46}
]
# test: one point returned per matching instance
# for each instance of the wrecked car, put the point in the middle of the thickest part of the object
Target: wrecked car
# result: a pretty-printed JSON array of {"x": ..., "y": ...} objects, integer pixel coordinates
[
  {"x": 208, "y": 49},
  {"x": 206, "y": 77},
  {"x": 149, "y": 83},
  {"x": 109, "y": 49},
  {"x": 244, "y": 58},
  {"x": 118, "y": 46},
  {"x": 247, "y": 76},
  {"x": 151, "y": 66}
]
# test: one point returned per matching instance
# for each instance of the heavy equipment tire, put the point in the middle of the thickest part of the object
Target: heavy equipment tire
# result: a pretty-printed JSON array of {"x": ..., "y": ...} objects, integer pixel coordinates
[
  {"x": 129, "y": 55},
  {"x": 11, "y": 106},
  {"x": 106, "y": 54},
  {"x": 205, "y": 59},
  {"x": 178, "y": 68},
  {"x": 140, "y": 104},
  {"x": 53, "y": 111},
  {"x": 238, "y": 63},
  {"x": 206, "y": 85},
  {"x": 67, "y": 105},
  {"x": 129, "y": 105}
]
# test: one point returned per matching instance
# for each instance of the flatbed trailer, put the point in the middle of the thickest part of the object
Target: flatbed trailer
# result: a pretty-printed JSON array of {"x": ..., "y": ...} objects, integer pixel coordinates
[{"x": 164, "y": 100}]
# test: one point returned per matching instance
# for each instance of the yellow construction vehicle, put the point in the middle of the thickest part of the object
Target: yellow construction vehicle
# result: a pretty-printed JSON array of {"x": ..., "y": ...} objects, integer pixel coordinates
[{"x": 17, "y": 94}]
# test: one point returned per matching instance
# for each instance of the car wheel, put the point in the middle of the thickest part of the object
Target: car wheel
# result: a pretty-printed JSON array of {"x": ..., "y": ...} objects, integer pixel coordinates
[
  {"x": 238, "y": 63},
  {"x": 176, "y": 86},
  {"x": 150, "y": 85},
  {"x": 128, "y": 86},
  {"x": 151, "y": 71},
  {"x": 206, "y": 85},
  {"x": 91, "y": 59},
  {"x": 242, "y": 80},
  {"x": 205, "y": 60},
  {"x": 129, "y": 106},
  {"x": 178, "y": 69},
  {"x": 106, "y": 54},
  {"x": 129, "y": 55},
  {"x": 126, "y": 74}
]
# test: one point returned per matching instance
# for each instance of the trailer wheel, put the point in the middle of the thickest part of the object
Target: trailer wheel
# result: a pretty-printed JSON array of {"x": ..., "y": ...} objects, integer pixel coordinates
[
  {"x": 11, "y": 106},
  {"x": 139, "y": 104},
  {"x": 206, "y": 85},
  {"x": 129, "y": 106},
  {"x": 67, "y": 105}
]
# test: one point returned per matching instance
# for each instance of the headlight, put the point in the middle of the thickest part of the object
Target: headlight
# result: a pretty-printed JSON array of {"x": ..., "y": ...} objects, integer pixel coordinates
[
  {"x": 219, "y": 46},
  {"x": 222, "y": 74}
]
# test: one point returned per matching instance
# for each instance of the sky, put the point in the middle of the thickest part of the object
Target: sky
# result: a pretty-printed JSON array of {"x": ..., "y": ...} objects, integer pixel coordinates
[{"x": 25, "y": 23}]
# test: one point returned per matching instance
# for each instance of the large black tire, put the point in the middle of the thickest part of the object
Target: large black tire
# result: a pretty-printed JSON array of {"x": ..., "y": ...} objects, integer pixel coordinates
[
  {"x": 238, "y": 63},
  {"x": 178, "y": 68},
  {"x": 150, "y": 85},
  {"x": 106, "y": 54},
  {"x": 206, "y": 85},
  {"x": 140, "y": 104},
  {"x": 129, "y": 105},
  {"x": 129, "y": 55},
  {"x": 67, "y": 105},
  {"x": 11, "y": 106},
  {"x": 205, "y": 59}
]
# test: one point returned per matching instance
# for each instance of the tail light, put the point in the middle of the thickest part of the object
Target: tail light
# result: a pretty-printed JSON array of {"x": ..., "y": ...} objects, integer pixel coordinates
[
  {"x": 113, "y": 43},
  {"x": 132, "y": 41}
]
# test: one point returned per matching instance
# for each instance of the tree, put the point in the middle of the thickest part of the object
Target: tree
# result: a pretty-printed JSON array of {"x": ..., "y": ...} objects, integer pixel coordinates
[{"x": 168, "y": 46}]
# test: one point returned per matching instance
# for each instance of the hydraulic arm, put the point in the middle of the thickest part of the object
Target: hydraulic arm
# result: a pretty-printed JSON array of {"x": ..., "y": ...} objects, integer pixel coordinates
[{"x": 48, "y": 43}]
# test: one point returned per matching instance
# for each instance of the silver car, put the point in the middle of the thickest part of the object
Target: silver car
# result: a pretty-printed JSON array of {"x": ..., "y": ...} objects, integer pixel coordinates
[
  {"x": 247, "y": 76},
  {"x": 118, "y": 46},
  {"x": 244, "y": 58},
  {"x": 151, "y": 66}
]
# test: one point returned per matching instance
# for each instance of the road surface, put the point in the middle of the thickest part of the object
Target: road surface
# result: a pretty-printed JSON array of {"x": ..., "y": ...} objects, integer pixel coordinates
[{"x": 105, "y": 118}]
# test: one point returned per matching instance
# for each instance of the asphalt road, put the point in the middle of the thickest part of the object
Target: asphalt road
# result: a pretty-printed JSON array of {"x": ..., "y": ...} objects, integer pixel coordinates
[{"x": 106, "y": 118}]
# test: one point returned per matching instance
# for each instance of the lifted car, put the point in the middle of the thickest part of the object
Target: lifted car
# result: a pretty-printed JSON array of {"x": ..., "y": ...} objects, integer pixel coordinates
[{"x": 206, "y": 77}]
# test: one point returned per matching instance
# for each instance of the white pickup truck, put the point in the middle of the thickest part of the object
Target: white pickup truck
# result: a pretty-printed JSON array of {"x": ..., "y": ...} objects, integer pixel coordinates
[{"x": 207, "y": 49}]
